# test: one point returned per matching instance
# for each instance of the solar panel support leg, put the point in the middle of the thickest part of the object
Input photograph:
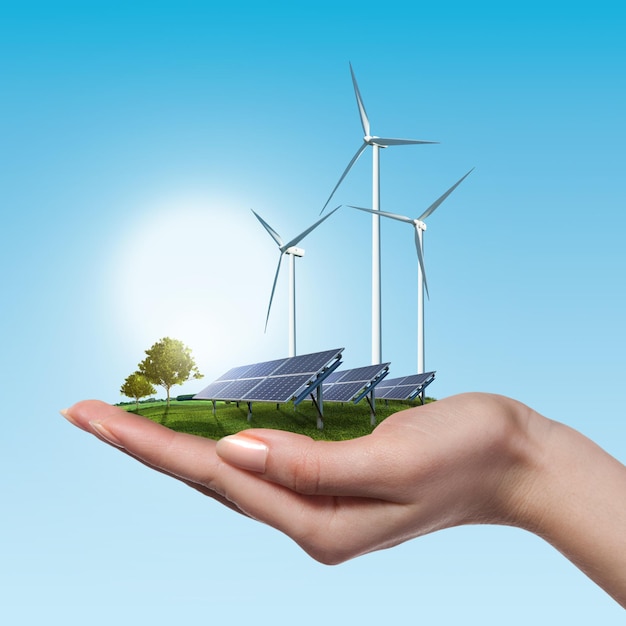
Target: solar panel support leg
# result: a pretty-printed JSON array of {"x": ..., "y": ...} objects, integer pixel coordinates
[
  {"x": 213, "y": 403},
  {"x": 371, "y": 400},
  {"x": 249, "y": 411},
  {"x": 320, "y": 408}
]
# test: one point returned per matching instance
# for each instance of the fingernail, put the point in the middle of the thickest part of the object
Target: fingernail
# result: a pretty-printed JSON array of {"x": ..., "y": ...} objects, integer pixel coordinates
[
  {"x": 68, "y": 417},
  {"x": 106, "y": 434},
  {"x": 244, "y": 452}
]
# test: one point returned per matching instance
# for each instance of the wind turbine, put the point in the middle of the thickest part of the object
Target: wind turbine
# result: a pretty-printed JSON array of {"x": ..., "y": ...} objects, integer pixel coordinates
[
  {"x": 422, "y": 284},
  {"x": 376, "y": 143},
  {"x": 290, "y": 249}
]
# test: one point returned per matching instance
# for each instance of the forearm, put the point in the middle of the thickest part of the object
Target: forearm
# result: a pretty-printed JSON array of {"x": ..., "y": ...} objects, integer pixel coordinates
[{"x": 575, "y": 498}]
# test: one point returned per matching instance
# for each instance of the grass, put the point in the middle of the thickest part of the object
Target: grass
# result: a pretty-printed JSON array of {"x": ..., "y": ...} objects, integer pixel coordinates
[{"x": 341, "y": 421}]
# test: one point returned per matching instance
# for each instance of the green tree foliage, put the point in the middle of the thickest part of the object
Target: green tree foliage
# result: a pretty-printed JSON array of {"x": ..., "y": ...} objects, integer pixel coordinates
[
  {"x": 169, "y": 362},
  {"x": 136, "y": 386}
]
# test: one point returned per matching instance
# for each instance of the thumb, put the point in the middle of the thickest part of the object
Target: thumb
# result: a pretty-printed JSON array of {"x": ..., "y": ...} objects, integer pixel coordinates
[{"x": 356, "y": 467}]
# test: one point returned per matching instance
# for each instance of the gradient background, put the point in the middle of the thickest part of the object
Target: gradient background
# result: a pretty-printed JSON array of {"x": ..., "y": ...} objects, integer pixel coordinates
[{"x": 135, "y": 137}]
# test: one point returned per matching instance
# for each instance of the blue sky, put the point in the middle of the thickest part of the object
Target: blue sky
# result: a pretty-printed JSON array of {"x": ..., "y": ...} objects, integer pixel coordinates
[{"x": 136, "y": 137}]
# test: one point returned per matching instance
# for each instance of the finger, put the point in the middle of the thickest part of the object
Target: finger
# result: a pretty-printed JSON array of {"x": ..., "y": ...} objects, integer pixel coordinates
[
  {"x": 364, "y": 467},
  {"x": 185, "y": 456}
]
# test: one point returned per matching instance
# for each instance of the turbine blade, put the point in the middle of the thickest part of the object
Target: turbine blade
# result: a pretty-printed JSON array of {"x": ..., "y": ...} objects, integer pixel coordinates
[
  {"x": 273, "y": 234},
  {"x": 439, "y": 200},
  {"x": 358, "y": 153},
  {"x": 269, "y": 308},
  {"x": 304, "y": 233},
  {"x": 393, "y": 216},
  {"x": 359, "y": 101},
  {"x": 420, "y": 258},
  {"x": 389, "y": 141}
]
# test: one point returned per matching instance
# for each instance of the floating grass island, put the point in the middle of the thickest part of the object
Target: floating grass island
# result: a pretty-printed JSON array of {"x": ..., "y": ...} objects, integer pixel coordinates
[{"x": 341, "y": 421}]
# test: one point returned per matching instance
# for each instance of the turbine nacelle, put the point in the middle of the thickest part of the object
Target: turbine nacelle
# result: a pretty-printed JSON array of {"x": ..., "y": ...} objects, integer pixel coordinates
[
  {"x": 419, "y": 225},
  {"x": 371, "y": 141},
  {"x": 295, "y": 251}
]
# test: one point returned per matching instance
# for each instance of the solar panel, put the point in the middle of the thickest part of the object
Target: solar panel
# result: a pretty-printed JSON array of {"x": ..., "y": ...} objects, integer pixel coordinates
[
  {"x": 237, "y": 389},
  {"x": 306, "y": 364},
  {"x": 404, "y": 388},
  {"x": 353, "y": 385},
  {"x": 260, "y": 370},
  {"x": 277, "y": 388},
  {"x": 333, "y": 377},
  {"x": 280, "y": 380},
  {"x": 215, "y": 389},
  {"x": 341, "y": 393}
]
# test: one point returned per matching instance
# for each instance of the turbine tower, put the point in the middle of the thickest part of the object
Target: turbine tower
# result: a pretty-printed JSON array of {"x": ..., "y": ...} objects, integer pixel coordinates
[
  {"x": 376, "y": 143},
  {"x": 293, "y": 251},
  {"x": 422, "y": 284}
]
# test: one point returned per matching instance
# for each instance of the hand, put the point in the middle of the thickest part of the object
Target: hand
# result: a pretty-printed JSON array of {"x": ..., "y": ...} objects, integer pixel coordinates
[
  {"x": 448, "y": 463},
  {"x": 467, "y": 459}
]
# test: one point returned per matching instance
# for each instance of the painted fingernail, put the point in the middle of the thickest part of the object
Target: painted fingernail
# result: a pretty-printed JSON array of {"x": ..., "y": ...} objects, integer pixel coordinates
[
  {"x": 105, "y": 433},
  {"x": 243, "y": 452}
]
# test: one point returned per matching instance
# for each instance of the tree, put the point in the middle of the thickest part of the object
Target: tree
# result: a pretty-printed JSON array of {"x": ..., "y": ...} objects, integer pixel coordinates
[
  {"x": 136, "y": 386},
  {"x": 168, "y": 362}
]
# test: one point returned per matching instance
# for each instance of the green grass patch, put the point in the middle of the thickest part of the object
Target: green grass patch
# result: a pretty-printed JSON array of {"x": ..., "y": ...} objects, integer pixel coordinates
[{"x": 341, "y": 421}]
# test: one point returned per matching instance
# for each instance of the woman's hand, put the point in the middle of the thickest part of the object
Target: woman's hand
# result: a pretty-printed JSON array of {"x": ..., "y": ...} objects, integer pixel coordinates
[{"x": 467, "y": 459}]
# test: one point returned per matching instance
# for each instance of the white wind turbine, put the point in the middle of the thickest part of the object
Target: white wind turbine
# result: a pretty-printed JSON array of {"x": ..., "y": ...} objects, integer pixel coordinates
[
  {"x": 422, "y": 284},
  {"x": 290, "y": 249},
  {"x": 376, "y": 143}
]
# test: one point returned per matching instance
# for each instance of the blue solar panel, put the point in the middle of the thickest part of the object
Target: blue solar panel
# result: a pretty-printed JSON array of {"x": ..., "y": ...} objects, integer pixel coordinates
[
  {"x": 214, "y": 390},
  {"x": 343, "y": 392},
  {"x": 364, "y": 374},
  {"x": 404, "y": 388},
  {"x": 333, "y": 377},
  {"x": 353, "y": 385},
  {"x": 261, "y": 370},
  {"x": 277, "y": 388},
  {"x": 235, "y": 373},
  {"x": 280, "y": 380},
  {"x": 237, "y": 389},
  {"x": 307, "y": 363}
]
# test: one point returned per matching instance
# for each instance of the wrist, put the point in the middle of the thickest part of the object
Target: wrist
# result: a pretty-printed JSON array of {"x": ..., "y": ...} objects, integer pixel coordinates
[{"x": 570, "y": 492}]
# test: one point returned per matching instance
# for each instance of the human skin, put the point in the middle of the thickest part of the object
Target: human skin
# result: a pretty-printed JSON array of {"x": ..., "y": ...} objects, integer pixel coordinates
[{"x": 468, "y": 459}]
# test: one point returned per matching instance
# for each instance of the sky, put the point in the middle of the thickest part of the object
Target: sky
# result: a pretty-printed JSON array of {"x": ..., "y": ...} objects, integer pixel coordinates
[{"x": 136, "y": 137}]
